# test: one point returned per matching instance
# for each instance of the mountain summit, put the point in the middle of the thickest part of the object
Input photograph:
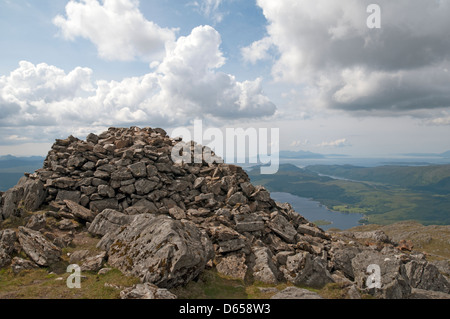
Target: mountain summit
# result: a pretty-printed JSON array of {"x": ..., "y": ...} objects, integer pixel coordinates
[{"x": 166, "y": 222}]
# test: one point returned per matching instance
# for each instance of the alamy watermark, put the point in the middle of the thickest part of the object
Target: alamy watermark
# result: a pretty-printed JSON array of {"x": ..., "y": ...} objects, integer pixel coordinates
[
  {"x": 74, "y": 280},
  {"x": 236, "y": 146},
  {"x": 374, "y": 19},
  {"x": 374, "y": 279}
]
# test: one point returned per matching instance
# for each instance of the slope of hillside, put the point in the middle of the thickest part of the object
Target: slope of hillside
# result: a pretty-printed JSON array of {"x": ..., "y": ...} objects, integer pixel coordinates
[
  {"x": 381, "y": 203},
  {"x": 433, "y": 178}
]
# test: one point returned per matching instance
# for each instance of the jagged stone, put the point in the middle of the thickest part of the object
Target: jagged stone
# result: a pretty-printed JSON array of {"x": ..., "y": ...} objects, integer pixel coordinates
[
  {"x": 37, "y": 222},
  {"x": 424, "y": 275},
  {"x": 237, "y": 198},
  {"x": 341, "y": 259},
  {"x": 296, "y": 293},
  {"x": 7, "y": 239},
  {"x": 249, "y": 223},
  {"x": 18, "y": 265},
  {"x": 109, "y": 221},
  {"x": 106, "y": 191},
  {"x": 177, "y": 213},
  {"x": 312, "y": 231},
  {"x": 233, "y": 266},
  {"x": 305, "y": 269},
  {"x": 161, "y": 251},
  {"x": 265, "y": 270},
  {"x": 427, "y": 294},
  {"x": 11, "y": 200},
  {"x": 394, "y": 280},
  {"x": 34, "y": 195},
  {"x": 283, "y": 228},
  {"x": 142, "y": 207},
  {"x": 73, "y": 196},
  {"x": 79, "y": 211},
  {"x": 38, "y": 248},
  {"x": 93, "y": 263},
  {"x": 78, "y": 256},
  {"x": 146, "y": 291},
  {"x": 100, "y": 205}
]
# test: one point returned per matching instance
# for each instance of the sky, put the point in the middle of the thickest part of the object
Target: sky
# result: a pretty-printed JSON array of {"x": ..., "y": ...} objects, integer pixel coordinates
[{"x": 315, "y": 69}]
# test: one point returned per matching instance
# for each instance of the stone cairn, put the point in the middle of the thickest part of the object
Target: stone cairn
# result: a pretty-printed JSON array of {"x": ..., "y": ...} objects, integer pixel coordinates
[{"x": 166, "y": 222}]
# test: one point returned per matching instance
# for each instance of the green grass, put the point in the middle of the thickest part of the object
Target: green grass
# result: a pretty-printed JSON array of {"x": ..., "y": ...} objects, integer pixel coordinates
[{"x": 40, "y": 284}]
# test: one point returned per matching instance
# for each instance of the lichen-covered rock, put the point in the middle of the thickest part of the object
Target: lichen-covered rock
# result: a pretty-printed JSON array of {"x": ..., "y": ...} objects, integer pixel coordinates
[
  {"x": 109, "y": 221},
  {"x": 79, "y": 211},
  {"x": 281, "y": 226},
  {"x": 424, "y": 275},
  {"x": 146, "y": 291},
  {"x": 393, "y": 276},
  {"x": 305, "y": 269},
  {"x": 233, "y": 266},
  {"x": 296, "y": 293},
  {"x": 160, "y": 250},
  {"x": 37, "y": 222},
  {"x": 264, "y": 269},
  {"x": 7, "y": 239},
  {"x": 38, "y": 248},
  {"x": 18, "y": 265}
]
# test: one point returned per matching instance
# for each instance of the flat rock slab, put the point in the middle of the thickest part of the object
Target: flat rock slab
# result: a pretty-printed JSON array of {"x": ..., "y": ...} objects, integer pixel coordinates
[
  {"x": 296, "y": 293},
  {"x": 38, "y": 248}
]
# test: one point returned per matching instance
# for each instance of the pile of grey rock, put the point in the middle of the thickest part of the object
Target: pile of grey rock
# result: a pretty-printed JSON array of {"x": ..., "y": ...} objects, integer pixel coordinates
[{"x": 166, "y": 222}]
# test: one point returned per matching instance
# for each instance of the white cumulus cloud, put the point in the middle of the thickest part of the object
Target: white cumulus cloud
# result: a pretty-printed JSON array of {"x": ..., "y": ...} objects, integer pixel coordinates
[
  {"x": 326, "y": 48},
  {"x": 338, "y": 143},
  {"x": 185, "y": 85},
  {"x": 117, "y": 28}
]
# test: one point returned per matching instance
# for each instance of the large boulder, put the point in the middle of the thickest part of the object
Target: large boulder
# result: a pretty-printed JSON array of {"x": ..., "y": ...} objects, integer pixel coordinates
[
  {"x": 34, "y": 194},
  {"x": 7, "y": 239},
  {"x": 160, "y": 250},
  {"x": 11, "y": 201},
  {"x": 38, "y": 248},
  {"x": 394, "y": 282},
  {"x": 305, "y": 269},
  {"x": 341, "y": 259},
  {"x": 426, "y": 276},
  {"x": 264, "y": 269},
  {"x": 109, "y": 221}
]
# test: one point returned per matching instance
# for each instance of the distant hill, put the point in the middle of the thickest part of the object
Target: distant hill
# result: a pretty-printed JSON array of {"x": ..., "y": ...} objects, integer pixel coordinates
[
  {"x": 443, "y": 155},
  {"x": 12, "y": 169},
  {"x": 433, "y": 178},
  {"x": 301, "y": 155},
  {"x": 385, "y": 195}
]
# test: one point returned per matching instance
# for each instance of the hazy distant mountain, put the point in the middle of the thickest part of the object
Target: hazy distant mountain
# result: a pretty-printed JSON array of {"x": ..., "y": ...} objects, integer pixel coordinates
[
  {"x": 12, "y": 169},
  {"x": 301, "y": 155},
  {"x": 8, "y": 162},
  {"x": 443, "y": 155}
]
